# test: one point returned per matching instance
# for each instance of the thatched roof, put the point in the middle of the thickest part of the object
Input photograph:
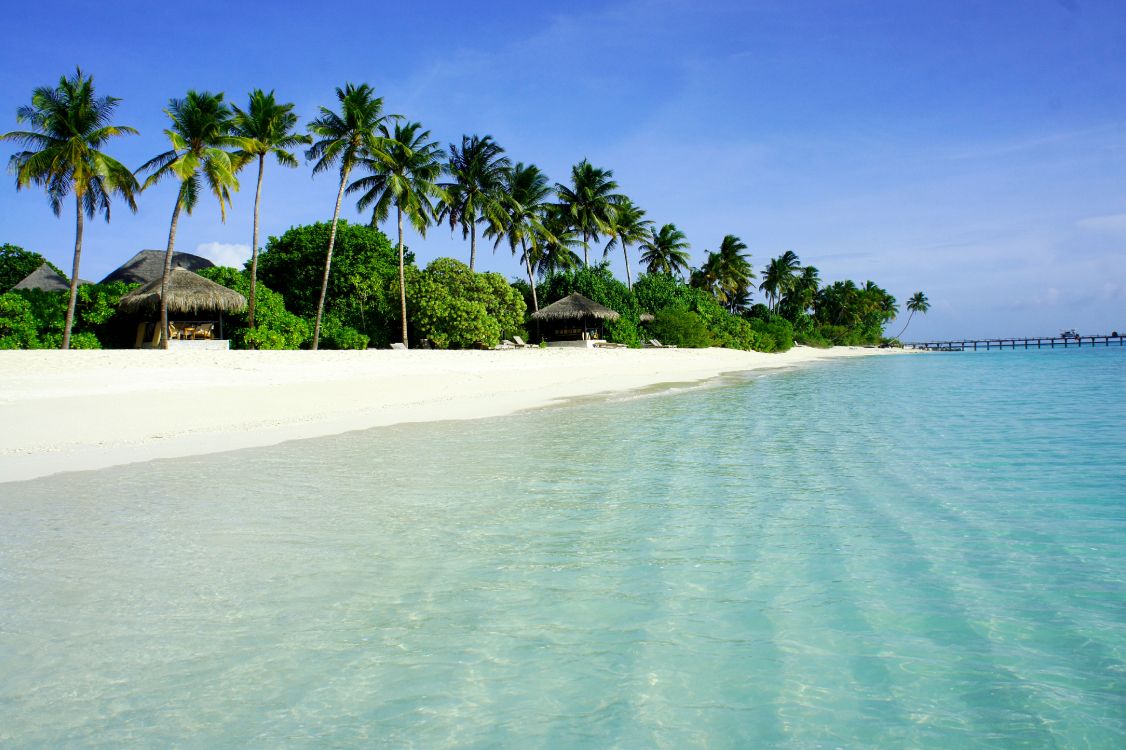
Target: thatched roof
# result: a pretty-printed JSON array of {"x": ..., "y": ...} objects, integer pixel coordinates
[
  {"x": 45, "y": 278},
  {"x": 187, "y": 293},
  {"x": 149, "y": 264},
  {"x": 575, "y": 307}
]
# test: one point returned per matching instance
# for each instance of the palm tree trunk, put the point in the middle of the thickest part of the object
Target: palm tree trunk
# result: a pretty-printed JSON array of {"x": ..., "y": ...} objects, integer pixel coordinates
[
  {"x": 531, "y": 279},
  {"x": 472, "y": 245},
  {"x": 625, "y": 255},
  {"x": 328, "y": 258},
  {"x": 74, "y": 271},
  {"x": 402, "y": 275},
  {"x": 168, "y": 272},
  {"x": 254, "y": 246},
  {"x": 586, "y": 252},
  {"x": 906, "y": 324}
]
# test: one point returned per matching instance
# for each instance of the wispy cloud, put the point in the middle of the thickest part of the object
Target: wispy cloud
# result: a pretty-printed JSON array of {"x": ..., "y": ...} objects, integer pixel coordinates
[
  {"x": 223, "y": 254},
  {"x": 1109, "y": 223}
]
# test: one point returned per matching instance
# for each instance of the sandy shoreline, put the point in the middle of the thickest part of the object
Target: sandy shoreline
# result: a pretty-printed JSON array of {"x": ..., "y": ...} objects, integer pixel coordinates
[{"x": 67, "y": 411}]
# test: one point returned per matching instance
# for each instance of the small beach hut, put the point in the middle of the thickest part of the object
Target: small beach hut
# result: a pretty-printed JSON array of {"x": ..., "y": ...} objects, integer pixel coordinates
[
  {"x": 45, "y": 278},
  {"x": 574, "y": 318},
  {"x": 149, "y": 264},
  {"x": 195, "y": 301}
]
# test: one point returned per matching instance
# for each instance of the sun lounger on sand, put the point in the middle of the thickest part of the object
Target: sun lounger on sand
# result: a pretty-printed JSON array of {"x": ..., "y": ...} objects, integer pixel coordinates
[
  {"x": 521, "y": 344},
  {"x": 654, "y": 344},
  {"x": 399, "y": 345}
]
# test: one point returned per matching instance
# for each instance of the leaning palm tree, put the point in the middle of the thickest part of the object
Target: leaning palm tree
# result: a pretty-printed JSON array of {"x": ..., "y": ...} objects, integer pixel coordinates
[
  {"x": 665, "y": 251},
  {"x": 345, "y": 138},
  {"x": 265, "y": 128},
  {"x": 68, "y": 127},
  {"x": 200, "y": 135},
  {"x": 918, "y": 303},
  {"x": 522, "y": 223},
  {"x": 588, "y": 201},
  {"x": 627, "y": 226},
  {"x": 403, "y": 174},
  {"x": 476, "y": 193}
]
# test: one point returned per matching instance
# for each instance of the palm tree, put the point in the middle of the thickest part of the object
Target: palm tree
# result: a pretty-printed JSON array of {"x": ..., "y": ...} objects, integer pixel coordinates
[
  {"x": 199, "y": 135},
  {"x": 626, "y": 226},
  {"x": 68, "y": 127},
  {"x": 554, "y": 249},
  {"x": 265, "y": 128},
  {"x": 802, "y": 293},
  {"x": 666, "y": 251},
  {"x": 588, "y": 201},
  {"x": 403, "y": 174},
  {"x": 345, "y": 138},
  {"x": 779, "y": 277},
  {"x": 476, "y": 194},
  {"x": 918, "y": 303},
  {"x": 726, "y": 273},
  {"x": 527, "y": 193}
]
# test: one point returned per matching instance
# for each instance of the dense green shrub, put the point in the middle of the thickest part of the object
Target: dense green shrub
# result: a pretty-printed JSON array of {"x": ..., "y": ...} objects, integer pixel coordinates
[
  {"x": 363, "y": 288},
  {"x": 275, "y": 327},
  {"x": 336, "y": 335},
  {"x": 34, "y": 319},
  {"x": 456, "y": 308},
  {"x": 18, "y": 327},
  {"x": 775, "y": 335},
  {"x": 677, "y": 327}
]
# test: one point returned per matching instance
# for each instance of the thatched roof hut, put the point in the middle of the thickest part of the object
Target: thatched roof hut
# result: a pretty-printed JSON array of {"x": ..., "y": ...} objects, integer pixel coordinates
[
  {"x": 575, "y": 308},
  {"x": 187, "y": 293},
  {"x": 148, "y": 265},
  {"x": 45, "y": 278}
]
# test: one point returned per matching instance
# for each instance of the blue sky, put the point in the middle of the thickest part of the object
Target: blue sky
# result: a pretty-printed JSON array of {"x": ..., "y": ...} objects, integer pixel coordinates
[{"x": 973, "y": 150}]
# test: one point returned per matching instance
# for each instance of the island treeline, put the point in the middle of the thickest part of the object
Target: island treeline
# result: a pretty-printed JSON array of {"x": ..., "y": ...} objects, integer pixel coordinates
[{"x": 341, "y": 285}]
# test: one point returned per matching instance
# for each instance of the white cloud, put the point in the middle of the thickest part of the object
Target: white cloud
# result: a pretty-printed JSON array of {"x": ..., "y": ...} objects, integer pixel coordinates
[
  {"x": 223, "y": 254},
  {"x": 1111, "y": 223}
]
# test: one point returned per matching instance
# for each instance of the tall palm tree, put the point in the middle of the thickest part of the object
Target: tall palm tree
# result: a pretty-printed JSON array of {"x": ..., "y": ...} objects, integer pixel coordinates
[
  {"x": 522, "y": 224},
  {"x": 665, "y": 251},
  {"x": 200, "y": 135},
  {"x": 403, "y": 174},
  {"x": 265, "y": 128},
  {"x": 726, "y": 273},
  {"x": 476, "y": 192},
  {"x": 780, "y": 276},
  {"x": 554, "y": 249},
  {"x": 802, "y": 292},
  {"x": 588, "y": 201},
  {"x": 918, "y": 303},
  {"x": 627, "y": 226},
  {"x": 69, "y": 126},
  {"x": 345, "y": 138}
]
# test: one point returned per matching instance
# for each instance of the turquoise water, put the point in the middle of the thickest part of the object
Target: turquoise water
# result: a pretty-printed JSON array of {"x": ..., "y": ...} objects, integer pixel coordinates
[{"x": 896, "y": 552}]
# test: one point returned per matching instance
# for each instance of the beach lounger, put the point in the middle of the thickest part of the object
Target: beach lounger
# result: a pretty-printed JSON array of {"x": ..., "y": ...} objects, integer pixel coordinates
[
  {"x": 520, "y": 343},
  {"x": 506, "y": 344},
  {"x": 399, "y": 345}
]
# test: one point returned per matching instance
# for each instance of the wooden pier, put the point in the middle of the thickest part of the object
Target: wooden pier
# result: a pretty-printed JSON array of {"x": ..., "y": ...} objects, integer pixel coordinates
[{"x": 1019, "y": 342}]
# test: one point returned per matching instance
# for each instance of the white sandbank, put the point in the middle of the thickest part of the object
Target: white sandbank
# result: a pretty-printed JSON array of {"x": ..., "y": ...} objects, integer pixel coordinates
[{"x": 67, "y": 411}]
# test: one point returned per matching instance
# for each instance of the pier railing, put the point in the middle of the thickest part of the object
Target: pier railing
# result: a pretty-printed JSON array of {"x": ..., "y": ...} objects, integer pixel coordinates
[{"x": 1019, "y": 342}]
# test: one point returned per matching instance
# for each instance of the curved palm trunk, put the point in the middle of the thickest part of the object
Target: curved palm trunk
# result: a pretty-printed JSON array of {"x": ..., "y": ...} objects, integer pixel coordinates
[
  {"x": 254, "y": 246},
  {"x": 531, "y": 279},
  {"x": 625, "y": 255},
  {"x": 402, "y": 275},
  {"x": 74, "y": 271},
  {"x": 328, "y": 259},
  {"x": 472, "y": 245},
  {"x": 906, "y": 324},
  {"x": 586, "y": 251},
  {"x": 167, "y": 273}
]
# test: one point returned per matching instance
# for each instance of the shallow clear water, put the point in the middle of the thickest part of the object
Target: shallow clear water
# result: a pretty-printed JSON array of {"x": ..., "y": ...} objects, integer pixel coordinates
[{"x": 898, "y": 552}]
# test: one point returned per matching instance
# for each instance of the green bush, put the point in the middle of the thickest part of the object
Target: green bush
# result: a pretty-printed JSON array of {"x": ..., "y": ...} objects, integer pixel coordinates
[
  {"x": 336, "y": 335},
  {"x": 455, "y": 308},
  {"x": 18, "y": 326},
  {"x": 681, "y": 328},
  {"x": 37, "y": 319},
  {"x": 274, "y": 326}
]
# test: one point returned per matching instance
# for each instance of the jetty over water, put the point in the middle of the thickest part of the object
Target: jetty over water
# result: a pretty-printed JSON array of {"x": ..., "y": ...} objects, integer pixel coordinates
[{"x": 1019, "y": 342}]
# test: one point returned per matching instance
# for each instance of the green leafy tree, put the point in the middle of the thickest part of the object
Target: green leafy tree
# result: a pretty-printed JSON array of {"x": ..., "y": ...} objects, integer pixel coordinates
[
  {"x": 456, "y": 308},
  {"x": 627, "y": 226},
  {"x": 682, "y": 328},
  {"x": 276, "y": 327},
  {"x": 918, "y": 303},
  {"x": 69, "y": 127},
  {"x": 264, "y": 128},
  {"x": 36, "y": 319},
  {"x": 726, "y": 274},
  {"x": 200, "y": 136},
  {"x": 780, "y": 277},
  {"x": 476, "y": 193},
  {"x": 402, "y": 175},
  {"x": 588, "y": 202},
  {"x": 362, "y": 293},
  {"x": 665, "y": 251},
  {"x": 16, "y": 263},
  {"x": 345, "y": 139},
  {"x": 522, "y": 220}
]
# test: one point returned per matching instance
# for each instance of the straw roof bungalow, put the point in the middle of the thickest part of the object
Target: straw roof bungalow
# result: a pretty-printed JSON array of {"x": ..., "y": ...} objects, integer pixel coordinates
[
  {"x": 574, "y": 318},
  {"x": 188, "y": 293},
  {"x": 149, "y": 264},
  {"x": 45, "y": 278}
]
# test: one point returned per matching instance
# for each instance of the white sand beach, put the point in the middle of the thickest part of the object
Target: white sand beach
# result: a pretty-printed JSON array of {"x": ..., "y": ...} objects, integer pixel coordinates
[{"x": 76, "y": 410}]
